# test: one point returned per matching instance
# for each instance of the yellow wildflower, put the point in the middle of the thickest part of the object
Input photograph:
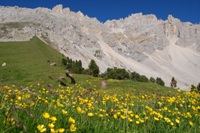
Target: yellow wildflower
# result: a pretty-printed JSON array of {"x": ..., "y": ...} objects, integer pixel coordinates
[
  {"x": 90, "y": 114},
  {"x": 51, "y": 125},
  {"x": 53, "y": 131},
  {"x": 78, "y": 109},
  {"x": 32, "y": 104},
  {"x": 115, "y": 116},
  {"x": 41, "y": 128},
  {"x": 71, "y": 120},
  {"x": 61, "y": 130},
  {"x": 137, "y": 122},
  {"x": 191, "y": 123},
  {"x": 177, "y": 121},
  {"x": 156, "y": 118},
  {"x": 72, "y": 128},
  {"x": 46, "y": 115},
  {"x": 130, "y": 120},
  {"x": 101, "y": 115},
  {"x": 165, "y": 108},
  {"x": 123, "y": 117},
  {"x": 53, "y": 118},
  {"x": 64, "y": 112},
  {"x": 60, "y": 105},
  {"x": 19, "y": 98},
  {"x": 142, "y": 121}
]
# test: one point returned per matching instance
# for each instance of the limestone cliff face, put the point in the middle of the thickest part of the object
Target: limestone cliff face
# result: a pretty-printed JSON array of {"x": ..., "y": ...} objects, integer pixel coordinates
[{"x": 139, "y": 42}]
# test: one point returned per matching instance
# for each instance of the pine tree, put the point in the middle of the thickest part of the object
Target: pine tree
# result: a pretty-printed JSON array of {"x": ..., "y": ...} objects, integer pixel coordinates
[{"x": 93, "y": 69}]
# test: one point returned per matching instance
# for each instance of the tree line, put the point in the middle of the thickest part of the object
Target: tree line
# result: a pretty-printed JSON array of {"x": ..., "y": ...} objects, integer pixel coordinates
[
  {"x": 77, "y": 68},
  {"x": 110, "y": 73},
  {"x": 121, "y": 74}
]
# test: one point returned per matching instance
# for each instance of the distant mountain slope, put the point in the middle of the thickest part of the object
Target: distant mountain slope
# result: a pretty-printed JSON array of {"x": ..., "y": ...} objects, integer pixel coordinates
[{"x": 142, "y": 43}]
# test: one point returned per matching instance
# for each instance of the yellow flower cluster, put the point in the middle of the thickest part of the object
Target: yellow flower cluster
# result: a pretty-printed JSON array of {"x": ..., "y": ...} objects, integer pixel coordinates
[{"x": 72, "y": 109}]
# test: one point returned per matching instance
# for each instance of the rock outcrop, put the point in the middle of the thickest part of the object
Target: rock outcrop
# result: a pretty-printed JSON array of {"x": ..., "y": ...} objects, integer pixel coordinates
[{"x": 142, "y": 43}]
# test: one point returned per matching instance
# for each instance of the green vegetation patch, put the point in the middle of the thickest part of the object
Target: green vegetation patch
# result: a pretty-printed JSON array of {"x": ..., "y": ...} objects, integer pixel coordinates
[{"x": 28, "y": 61}]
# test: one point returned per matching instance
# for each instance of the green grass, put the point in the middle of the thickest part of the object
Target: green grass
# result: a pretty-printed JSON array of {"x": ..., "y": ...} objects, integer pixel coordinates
[
  {"x": 122, "y": 86},
  {"x": 28, "y": 62},
  {"x": 123, "y": 106}
]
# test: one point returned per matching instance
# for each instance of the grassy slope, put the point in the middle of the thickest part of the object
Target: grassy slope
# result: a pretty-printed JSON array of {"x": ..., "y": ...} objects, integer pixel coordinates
[
  {"x": 28, "y": 61},
  {"x": 123, "y": 86}
]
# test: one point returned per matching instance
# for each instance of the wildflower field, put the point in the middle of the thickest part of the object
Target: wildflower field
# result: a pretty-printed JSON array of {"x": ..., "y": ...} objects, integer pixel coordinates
[
  {"x": 37, "y": 103},
  {"x": 37, "y": 108}
]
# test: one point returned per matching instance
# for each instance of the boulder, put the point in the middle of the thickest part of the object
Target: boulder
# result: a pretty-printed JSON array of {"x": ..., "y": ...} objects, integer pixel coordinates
[
  {"x": 53, "y": 64},
  {"x": 4, "y": 64}
]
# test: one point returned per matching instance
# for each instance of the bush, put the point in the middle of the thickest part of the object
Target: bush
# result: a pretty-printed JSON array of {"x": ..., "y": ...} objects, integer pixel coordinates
[
  {"x": 135, "y": 76},
  {"x": 160, "y": 81},
  {"x": 143, "y": 79},
  {"x": 138, "y": 78},
  {"x": 193, "y": 88},
  {"x": 152, "y": 80},
  {"x": 116, "y": 73}
]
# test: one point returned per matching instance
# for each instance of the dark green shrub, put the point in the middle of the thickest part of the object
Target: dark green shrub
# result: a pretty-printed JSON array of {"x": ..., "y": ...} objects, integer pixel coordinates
[
  {"x": 143, "y": 79},
  {"x": 116, "y": 73},
  {"x": 135, "y": 76},
  {"x": 160, "y": 81},
  {"x": 152, "y": 80},
  {"x": 138, "y": 78},
  {"x": 193, "y": 88}
]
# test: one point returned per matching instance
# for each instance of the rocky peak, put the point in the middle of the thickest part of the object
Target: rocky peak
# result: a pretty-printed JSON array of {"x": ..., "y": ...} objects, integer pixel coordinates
[
  {"x": 44, "y": 10},
  {"x": 173, "y": 20},
  {"x": 58, "y": 9},
  {"x": 66, "y": 10}
]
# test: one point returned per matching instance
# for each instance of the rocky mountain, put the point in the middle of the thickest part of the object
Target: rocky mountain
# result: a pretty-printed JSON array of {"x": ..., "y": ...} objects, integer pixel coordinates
[{"x": 141, "y": 43}]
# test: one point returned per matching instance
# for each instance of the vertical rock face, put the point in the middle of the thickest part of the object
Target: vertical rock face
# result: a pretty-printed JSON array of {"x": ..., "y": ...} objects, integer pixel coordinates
[{"x": 141, "y": 43}]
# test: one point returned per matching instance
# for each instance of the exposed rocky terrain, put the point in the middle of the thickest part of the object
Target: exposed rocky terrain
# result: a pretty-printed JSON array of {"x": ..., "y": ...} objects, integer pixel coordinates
[{"x": 141, "y": 43}]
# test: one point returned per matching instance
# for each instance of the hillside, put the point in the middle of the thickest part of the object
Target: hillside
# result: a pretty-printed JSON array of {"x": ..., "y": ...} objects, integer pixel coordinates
[
  {"x": 141, "y": 43},
  {"x": 28, "y": 61},
  {"x": 28, "y": 104}
]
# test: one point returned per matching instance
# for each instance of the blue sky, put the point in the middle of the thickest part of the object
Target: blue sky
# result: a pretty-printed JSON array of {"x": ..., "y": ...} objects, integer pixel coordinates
[{"x": 185, "y": 10}]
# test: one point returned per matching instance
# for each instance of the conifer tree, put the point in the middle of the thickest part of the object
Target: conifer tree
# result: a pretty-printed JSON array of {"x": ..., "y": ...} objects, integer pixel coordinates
[{"x": 93, "y": 69}]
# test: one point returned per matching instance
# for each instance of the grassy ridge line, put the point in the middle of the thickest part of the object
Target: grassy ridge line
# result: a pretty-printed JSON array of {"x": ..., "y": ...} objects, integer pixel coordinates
[{"x": 28, "y": 61}]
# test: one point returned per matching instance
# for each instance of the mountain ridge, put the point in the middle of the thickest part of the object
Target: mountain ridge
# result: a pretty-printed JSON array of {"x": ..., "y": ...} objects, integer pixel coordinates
[{"x": 138, "y": 43}]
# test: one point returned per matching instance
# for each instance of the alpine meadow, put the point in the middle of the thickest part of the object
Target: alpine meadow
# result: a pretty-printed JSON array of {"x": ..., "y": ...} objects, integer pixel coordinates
[{"x": 62, "y": 71}]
